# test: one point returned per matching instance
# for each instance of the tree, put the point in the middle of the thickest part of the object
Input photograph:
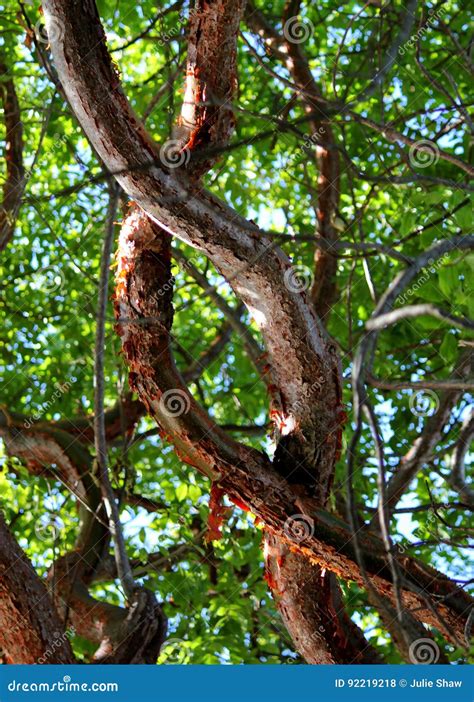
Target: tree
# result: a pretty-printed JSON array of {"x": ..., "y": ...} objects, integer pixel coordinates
[{"x": 306, "y": 377}]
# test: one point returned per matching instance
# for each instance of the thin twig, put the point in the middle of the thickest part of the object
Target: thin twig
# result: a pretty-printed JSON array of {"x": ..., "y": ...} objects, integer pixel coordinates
[{"x": 123, "y": 565}]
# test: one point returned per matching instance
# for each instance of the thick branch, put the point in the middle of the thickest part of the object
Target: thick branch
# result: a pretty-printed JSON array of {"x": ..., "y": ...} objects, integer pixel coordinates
[
  {"x": 30, "y": 629},
  {"x": 206, "y": 118},
  {"x": 245, "y": 474},
  {"x": 305, "y": 367}
]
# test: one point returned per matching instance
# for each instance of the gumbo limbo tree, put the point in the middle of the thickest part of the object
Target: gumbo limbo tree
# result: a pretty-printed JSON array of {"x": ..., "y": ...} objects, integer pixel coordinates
[{"x": 258, "y": 452}]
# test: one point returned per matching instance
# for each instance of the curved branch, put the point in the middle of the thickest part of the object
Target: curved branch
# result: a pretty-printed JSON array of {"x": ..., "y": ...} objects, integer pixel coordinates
[
  {"x": 304, "y": 364},
  {"x": 303, "y": 361},
  {"x": 131, "y": 635},
  {"x": 457, "y": 478},
  {"x": 303, "y": 593},
  {"x": 245, "y": 474},
  {"x": 310, "y": 602},
  {"x": 409, "y": 311},
  {"x": 124, "y": 635}
]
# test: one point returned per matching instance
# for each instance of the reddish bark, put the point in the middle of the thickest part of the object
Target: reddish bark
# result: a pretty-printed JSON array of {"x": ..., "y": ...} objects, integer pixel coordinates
[
  {"x": 30, "y": 629},
  {"x": 207, "y": 120},
  {"x": 15, "y": 181},
  {"x": 245, "y": 474},
  {"x": 309, "y": 601},
  {"x": 304, "y": 362},
  {"x": 306, "y": 406},
  {"x": 321, "y": 141},
  {"x": 133, "y": 634}
]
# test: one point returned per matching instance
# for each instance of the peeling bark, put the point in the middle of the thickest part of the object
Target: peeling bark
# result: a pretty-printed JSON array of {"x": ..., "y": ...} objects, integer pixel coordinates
[
  {"x": 206, "y": 118},
  {"x": 132, "y": 634},
  {"x": 30, "y": 629},
  {"x": 306, "y": 404},
  {"x": 307, "y": 376},
  {"x": 247, "y": 475},
  {"x": 309, "y": 601},
  {"x": 125, "y": 635},
  {"x": 15, "y": 182}
]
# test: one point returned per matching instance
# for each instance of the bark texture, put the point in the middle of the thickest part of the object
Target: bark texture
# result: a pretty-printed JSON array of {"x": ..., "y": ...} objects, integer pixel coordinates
[
  {"x": 246, "y": 475},
  {"x": 132, "y": 634},
  {"x": 288, "y": 493},
  {"x": 207, "y": 119},
  {"x": 15, "y": 181},
  {"x": 31, "y": 630}
]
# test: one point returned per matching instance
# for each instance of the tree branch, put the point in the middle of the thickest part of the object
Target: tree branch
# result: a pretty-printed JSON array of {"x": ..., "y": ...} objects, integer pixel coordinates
[
  {"x": 14, "y": 185},
  {"x": 31, "y": 631}
]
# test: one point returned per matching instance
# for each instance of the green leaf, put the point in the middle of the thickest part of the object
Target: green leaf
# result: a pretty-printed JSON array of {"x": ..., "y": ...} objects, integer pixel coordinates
[{"x": 449, "y": 348}]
